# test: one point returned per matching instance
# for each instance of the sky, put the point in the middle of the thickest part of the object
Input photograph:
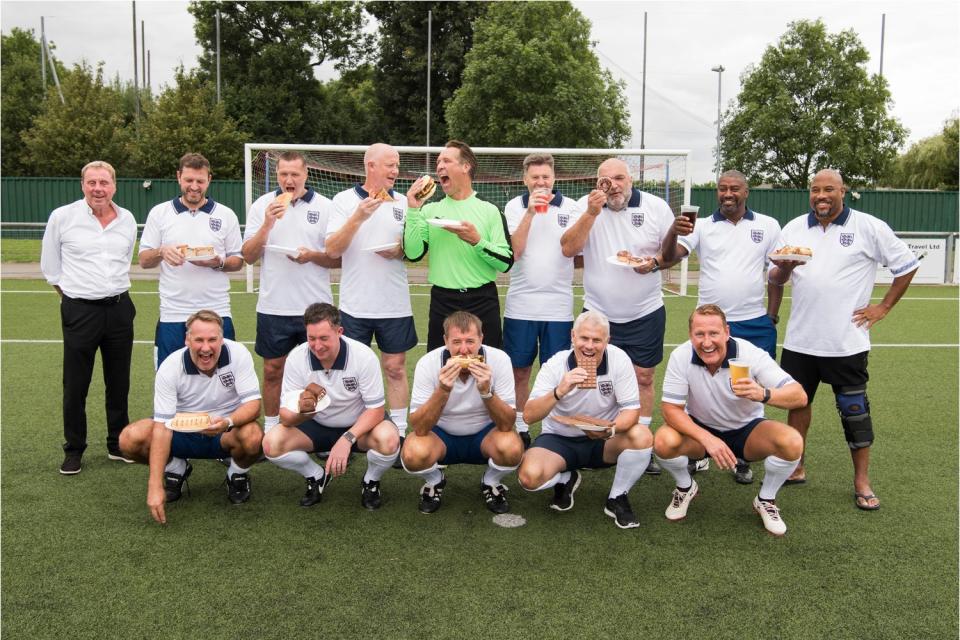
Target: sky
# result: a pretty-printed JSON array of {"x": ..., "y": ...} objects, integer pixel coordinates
[{"x": 921, "y": 57}]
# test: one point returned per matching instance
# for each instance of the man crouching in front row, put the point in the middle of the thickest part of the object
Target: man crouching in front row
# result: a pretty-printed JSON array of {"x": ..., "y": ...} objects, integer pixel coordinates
[{"x": 210, "y": 375}]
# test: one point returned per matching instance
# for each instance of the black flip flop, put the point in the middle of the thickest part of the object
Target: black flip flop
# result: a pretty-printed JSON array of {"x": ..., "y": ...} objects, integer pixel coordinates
[{"x": 866, "y": 497}]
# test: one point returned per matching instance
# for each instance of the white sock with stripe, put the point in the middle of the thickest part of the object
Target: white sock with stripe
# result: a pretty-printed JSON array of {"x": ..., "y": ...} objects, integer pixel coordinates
[
  {"x": 560, "y": 478},
  {"x": 431, "y": 476},
  {"x": 494, "y": 473}
]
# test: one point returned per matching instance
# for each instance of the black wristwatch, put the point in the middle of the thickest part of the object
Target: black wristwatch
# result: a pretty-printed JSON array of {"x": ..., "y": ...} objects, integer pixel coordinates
[
  {"x": 775, "y": 317},
  {"x": 766, "y": 395},
  {"x": 656, "y": 266}
]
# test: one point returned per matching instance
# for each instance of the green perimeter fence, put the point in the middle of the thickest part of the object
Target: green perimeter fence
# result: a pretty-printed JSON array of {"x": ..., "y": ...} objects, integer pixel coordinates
[{"x": 30, "y": 200}]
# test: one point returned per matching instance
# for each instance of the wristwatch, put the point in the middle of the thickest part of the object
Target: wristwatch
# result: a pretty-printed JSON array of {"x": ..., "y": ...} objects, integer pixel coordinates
[
  {"x": 349, "y": 437},
  {"x": 766, "y": 395},
  {"x": 775, "y": 317},
  {"x": 230, "y": 424},
  {"x": 656, "y": 266},
  {"x": 487, "y": 396}
]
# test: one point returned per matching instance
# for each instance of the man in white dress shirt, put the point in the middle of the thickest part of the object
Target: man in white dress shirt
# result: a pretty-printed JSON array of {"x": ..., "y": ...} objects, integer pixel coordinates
[
  {"x": 538, "y": 314},
  {"x": 192, "y": 219},
  {"x": 86, "y": 252},
  {"x": 374, "y": 294},
  {"x": 294, "y": 269}
]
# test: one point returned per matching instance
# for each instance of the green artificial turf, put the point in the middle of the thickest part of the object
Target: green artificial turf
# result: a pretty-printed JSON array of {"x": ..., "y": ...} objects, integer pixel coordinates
[{"x": 81, "y": 557}]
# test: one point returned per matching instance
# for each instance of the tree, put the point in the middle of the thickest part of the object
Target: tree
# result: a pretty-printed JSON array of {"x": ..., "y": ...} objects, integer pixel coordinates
[
  {"x": 269, "y": 51},
  {"x": 186, "y": 118},
  {"x": 931, "y": 163},
  {"x": 401, "y": 65},
  {"x": 532, "y": 79},
  {"x": 810, "y": 104},
  {"x": 91, "y": 125},
  {"x": 23, "y": 94}
]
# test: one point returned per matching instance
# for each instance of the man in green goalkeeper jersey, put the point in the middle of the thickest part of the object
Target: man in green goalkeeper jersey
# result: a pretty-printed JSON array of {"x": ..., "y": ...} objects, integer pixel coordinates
[{"x": 468, "y": 241}]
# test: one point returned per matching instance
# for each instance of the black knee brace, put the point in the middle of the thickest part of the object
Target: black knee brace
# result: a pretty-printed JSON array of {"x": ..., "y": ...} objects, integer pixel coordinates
[{"x": 854, "y": 409}]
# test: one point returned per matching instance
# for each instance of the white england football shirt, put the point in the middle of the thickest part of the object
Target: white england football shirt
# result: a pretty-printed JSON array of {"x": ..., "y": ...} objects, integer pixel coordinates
[
  {"x": 180, "y": 386},
  {"x": 710, "y": 398},
  {"x": 372, "y": 286},
  {"x": 619, "y": 292},
  {"x": 616, "y": 390},
  {"x": 733, "y": 261},
  {"x": 287, "y": 288},
  {"x": 188, "y": 288},
  {"x": 465, "y": 412},
  {"x": 838, "y": 280},
  {"x": 541, "y": 281},
  {"x": 354, "y": 382}
]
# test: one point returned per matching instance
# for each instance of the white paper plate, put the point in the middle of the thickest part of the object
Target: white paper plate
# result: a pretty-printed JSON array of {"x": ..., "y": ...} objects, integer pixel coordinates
[
  {"x": 789, "y": 257},
  {"x": 293, "y": 252},
  {"x": 291, "y": 402},
  {"x": 592, "y": 427},
  {"x": 444, "y": 223},
  {"x": 186, "y": 429},
  {"x": 199, "y": 258},
  {"x": 613, "y": 260},
  {"x": 382, "y": 247}
]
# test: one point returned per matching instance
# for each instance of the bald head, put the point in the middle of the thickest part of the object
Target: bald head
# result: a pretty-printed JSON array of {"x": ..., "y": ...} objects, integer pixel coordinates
[
  {"x": 381, "y": 162},
  {"x": 831, "y": 175},
  {"x": 826, "y": 195},
  {"x": 613, "y": 166},
  {"x": 622, "y": 184}
]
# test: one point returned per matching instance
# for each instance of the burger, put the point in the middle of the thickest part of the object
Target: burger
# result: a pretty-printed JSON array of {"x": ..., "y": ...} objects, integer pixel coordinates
[{"x": 427, "y": 190}]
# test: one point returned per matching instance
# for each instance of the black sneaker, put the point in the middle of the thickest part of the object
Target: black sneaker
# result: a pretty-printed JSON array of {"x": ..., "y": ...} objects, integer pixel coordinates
[
  {"x": 495, "y": 498},
  {"x": 370, "y": 495},
  {"x": 619, "y": 509},
  {"x": 71, "y": 464},
  {"x": 743, "y": 474},
  {"x": 173, "y": 483},
  {"x": 525, "y": 436},
  {"x": 238, "y": 488},
  {"x": 430, "y": 496},
  {"x": 114, "y": 453},
  {"x": 314, "y": 493},
  {"x": 563, "y": 492},
  {"x": 398, "y": 464},
  {"x": 696, "y": 466},
  {"x": 653, "y": 469}
]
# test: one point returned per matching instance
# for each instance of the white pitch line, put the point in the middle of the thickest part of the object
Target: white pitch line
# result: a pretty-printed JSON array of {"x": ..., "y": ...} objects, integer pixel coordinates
[{"x": 927, "y": 345}]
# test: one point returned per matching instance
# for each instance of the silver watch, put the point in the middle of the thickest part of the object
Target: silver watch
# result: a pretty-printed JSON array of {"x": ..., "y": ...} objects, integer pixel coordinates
[{"x": 349, "y": 437}]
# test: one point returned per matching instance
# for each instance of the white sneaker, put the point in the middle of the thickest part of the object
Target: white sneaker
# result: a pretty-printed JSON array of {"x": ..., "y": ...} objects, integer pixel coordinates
[
  {"x": 770, "y": 515},
  {"x": 680, "y": 502}
]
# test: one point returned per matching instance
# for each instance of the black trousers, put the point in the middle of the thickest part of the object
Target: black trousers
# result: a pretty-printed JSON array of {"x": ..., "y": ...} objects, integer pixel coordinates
[
  {"x": 88, "y": 326},
  {"x": 481, "y": 301}
]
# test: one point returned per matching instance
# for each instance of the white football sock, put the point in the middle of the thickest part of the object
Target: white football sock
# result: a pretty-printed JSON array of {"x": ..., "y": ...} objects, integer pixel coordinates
[
  {"x": 494, "y": 473},
  {"x": 678, "y": 469},
  {"x": 777, "y": 470},
  {"x": 377, "y": 465},
  {"x": 521, "y": 425},
  {"x": 431, "y": 475},
  {"x": 560, "y": 478},
  {"x": 399, "y": 418},
  {"x": 235, "y": 469},
  {"x": 176, "y": 465},
  {"x": 631, "y": 463},
  {"x": 299, "y": 461},
  {"x": 269, "y": 422}
]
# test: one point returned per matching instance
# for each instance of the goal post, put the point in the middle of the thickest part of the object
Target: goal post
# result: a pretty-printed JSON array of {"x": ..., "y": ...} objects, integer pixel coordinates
[{"x": 333, "y": 168}]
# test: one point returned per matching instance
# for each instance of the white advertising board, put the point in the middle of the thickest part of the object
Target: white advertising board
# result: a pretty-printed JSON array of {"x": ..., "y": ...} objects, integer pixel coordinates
[{"x": 933, "y": 261}]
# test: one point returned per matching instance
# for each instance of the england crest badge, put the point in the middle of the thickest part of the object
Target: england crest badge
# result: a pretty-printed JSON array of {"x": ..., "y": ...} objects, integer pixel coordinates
[
  {"x": 215, "y": 224},
  {"x": 636, "y": 218},
  {"x": 756, "y": 235},
  {"x": 313, "y": 217},
  {"x": 398, "y": 214},
  {"x": 227, "y": 379},
  {"x": 563, "y": 219},
  {"x": 846, "y": 239},
  {"x": 350, "y": 384}
]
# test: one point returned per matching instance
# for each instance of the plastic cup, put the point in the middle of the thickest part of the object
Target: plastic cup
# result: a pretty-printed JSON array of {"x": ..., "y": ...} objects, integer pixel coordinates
[
  {"x": 690, "y": 212},
  {"x": 538, "y": 206},
  {"x": 738, "y": 370}
]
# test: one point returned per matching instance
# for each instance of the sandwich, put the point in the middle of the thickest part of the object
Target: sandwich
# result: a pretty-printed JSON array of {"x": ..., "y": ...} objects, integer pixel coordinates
[
  {"x": 427, "y": 190},
  {"x": 794, "y": 251},
  {"x": 466, "y": 360},
  {"x": 383, "y": 195},
  {"x": 629, "y": 259},
  {"x": 190, "y": 422},
  {"x": 284, "y": 198},
  {"x": 205, "y": 251}
]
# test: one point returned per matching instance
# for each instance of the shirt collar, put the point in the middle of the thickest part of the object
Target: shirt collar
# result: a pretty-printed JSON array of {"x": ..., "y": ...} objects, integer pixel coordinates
[
  {"x": 340, "y": 363},
  {"x": 191, "y": 369},
  {"x": 307, "y": 196},
  {"x": 179, "y": 207},
  {"x": 719, "y": 217},
  {"x": 556, "y": 202},
  {"x": 636, "y": 197},
  {"x": 840, "y": 220},
  {"x": 445, "y": 355},
  {"x": 601, "y": 368},
  {"x": 731, "y": 355},
  {"x": 363, "y": 192}
]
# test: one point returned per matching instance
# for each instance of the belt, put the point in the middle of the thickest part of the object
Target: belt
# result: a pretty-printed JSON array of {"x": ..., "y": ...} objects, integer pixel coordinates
[{"x": 102, "y": 302}]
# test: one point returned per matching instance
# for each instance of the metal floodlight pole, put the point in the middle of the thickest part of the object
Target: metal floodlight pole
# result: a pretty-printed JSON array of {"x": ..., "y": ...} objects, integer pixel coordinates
[
  {"x": 43, "y": 56},
  {"x": 883, "y": 31},
  {"x": 143, "y": 51},
  {"x": 426, "y": 160},
  {"x": 218, "y": 56},
  {"x": 149, "y": 83},
  {"x": 719, "y": 71},
  {"x": 136, "y": 79},
  {"x": 643, "y": 84},
  {"x": 53, "y": 68}
]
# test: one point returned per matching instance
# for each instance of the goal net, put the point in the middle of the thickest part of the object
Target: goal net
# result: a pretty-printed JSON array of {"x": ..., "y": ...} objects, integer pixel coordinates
[{"x": 333, "y": 168}]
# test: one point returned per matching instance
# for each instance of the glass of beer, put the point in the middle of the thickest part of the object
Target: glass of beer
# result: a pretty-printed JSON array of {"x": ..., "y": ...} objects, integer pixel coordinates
[
  {"x": 739, "y": 370},
  {"x": 690, "y": 212}
]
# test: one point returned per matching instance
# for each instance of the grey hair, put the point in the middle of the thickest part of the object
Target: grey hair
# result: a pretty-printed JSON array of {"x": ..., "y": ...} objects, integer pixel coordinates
[
  {"x": 733, "y": 173},
  {"x": 593, "y": 317}
]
